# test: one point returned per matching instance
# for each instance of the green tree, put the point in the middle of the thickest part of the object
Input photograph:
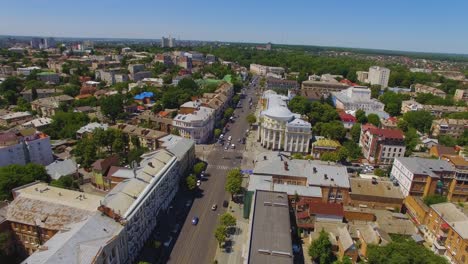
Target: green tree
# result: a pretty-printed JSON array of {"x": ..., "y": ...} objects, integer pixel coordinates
[
  {"x": 217, "y": 132},
  {"x": 228, "y": 112},
  {"x": 66, "y": 182},
  {"x": 191, "y": 182},
  {"x": 356, "y": 132},
  {"x": 406, "y": 251},
  {"x": 373, "y": 119},
  {"x": 85, "y": 152},
  {"x": 251, "y": 118},
  {"x": 420, "y": 120},
  {"x": 320, "y": 250},
  {"x": 199, "y": 167},
  {"x": 112, "y": 106},
  {"x": 361, "y": 116},
  {"x": 65, "y": 124},
  {"x": 300, "y": 104},
  {"x": 234, "y": 181},
  {"x": 447, "y": 141},
  {"x": 220, "y": 234},
  {"x": 333, "y": 130},
  {"x": 12, "y": 176},
  {"x": 227, "y": 219},
  {"x": 411, "y": 140},
  {"x": 434, "y": 199}
]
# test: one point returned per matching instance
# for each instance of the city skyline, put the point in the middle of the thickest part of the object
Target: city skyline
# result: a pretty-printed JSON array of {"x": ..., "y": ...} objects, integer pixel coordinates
[{"x": 399, "y": 26}]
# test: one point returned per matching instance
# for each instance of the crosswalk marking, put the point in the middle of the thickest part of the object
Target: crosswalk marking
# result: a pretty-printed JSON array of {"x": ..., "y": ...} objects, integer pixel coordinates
[{"x": 219, "y": 167}]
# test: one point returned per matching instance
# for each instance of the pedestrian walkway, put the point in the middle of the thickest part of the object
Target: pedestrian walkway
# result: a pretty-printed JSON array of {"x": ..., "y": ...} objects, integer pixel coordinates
[{"x": 237, "y": 250}]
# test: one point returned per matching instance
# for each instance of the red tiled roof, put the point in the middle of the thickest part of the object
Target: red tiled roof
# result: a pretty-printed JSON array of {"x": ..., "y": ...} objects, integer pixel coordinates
[
  {"x": 348, "y": 82},
  {"x": 382, "y": 132},
  {"x": 302, "y": 215},
  {"x": 326, "y": 209},
  {"x": 103, "y": 165},
  {"x": 347, "y": 117},
  {"x": 113, "y": 169}
]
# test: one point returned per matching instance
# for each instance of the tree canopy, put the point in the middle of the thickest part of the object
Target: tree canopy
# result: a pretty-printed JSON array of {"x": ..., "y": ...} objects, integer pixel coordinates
[
  {"x": 320, "y": 250},
  {"x": 13, "y": 176}
]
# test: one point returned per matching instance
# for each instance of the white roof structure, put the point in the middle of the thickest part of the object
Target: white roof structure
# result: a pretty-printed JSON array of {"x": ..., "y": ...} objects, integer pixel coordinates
[
  {"x": 79, "y": 243},
  {"x": 277, "y": 107},
  {"x": 15, "y": 115},
  {"x": 201, "y": 114},
  {"x": 89, "y": 128},
  {"x": 38, "y": 122},
  {"x": 59, "y": 168}
]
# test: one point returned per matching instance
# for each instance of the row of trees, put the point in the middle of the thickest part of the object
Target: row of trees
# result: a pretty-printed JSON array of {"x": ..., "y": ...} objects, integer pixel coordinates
[{"x": 226, "y": 223}]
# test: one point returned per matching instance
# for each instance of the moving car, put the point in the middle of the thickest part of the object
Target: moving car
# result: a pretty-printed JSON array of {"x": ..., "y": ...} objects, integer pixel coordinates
[
  {"x": 195, "y": 220},
  {"x": 233, "y": 146},
  {"x": 214, "y": 207},
  {"x": 229, "y": 138}
]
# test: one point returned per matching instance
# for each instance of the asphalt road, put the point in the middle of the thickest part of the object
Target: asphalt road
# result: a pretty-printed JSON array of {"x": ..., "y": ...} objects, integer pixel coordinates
[{"x": 197, "y": 244}]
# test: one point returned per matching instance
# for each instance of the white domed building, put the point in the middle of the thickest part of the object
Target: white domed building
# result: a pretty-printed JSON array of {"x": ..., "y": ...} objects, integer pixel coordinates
[{"x": 279, "y": 128}]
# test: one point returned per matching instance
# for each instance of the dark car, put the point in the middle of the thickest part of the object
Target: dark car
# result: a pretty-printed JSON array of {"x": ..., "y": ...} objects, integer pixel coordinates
[
  {"x": 194, "y": 220},
  {"x": 225, "y": 204}
]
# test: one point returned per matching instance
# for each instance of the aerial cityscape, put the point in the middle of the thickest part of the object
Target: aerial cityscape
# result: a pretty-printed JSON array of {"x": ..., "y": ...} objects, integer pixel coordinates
[{"x": 248, "y": 133}]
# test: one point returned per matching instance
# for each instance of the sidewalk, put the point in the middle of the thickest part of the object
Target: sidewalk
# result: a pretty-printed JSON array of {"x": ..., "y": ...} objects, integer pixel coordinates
[{"x": 238, "y": 242}]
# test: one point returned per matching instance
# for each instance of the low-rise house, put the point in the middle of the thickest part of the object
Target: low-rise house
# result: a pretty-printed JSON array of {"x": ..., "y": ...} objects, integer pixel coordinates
[
  {"x": 15, "y": 118},
  {"x": 310, "y": 212},
  {"x": 389, "y": 123},
  {"x": 89, "y": 129},
  {"x": 323, "y": 146},
  {"x": 347, "y": 120},
  {"x": 449, "y": 127},
  {"x": 145, "y": 137},
  {"x": 49, "y": 77},
  {"x": 381, "y": 146},
  {"x": 440, "y": 150},
  {"x": 160, "y": 121},
  {"x": 461, "y": 95},
  {"x": 436, "y": 110},
  {"x": 315, "y": 90},
  {"x": 38, "y": 123},
  {"x": 100, "y": 169},
  {"x": 48, "y": 106},
  {"x": 375, "y": 194},
  {"x": 371, "y": 235},
  {"x": 278, "y": 84},
  {"x": 421, "y": 88},
  {"x": 40, "y": 93},
  {"x": 61, "y": 168},
  {"x": 25, "y": 146}
]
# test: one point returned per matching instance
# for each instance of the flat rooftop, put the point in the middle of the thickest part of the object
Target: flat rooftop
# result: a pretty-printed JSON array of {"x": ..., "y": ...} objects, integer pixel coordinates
[
  {"x": 270, "y": 234},
  {"x": 365, "y": 187}
]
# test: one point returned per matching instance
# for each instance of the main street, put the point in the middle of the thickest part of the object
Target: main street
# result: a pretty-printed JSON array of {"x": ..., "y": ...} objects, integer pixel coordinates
[{"x": 196, "y": 243}]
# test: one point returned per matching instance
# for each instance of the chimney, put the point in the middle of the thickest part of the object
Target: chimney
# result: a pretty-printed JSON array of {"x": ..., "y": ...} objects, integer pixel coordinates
[
  {"x": 325, "y": 176},
  {"x": 286, "y": 166}
]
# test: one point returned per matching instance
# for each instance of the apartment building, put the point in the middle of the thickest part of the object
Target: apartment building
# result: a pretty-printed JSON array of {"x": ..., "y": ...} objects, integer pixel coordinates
[
  {"x": 421, "y": 88},
  {"x": 362, "y": 76},
  {"x": 47, "y": 107},
  {"x": 459, "y": 192},
  {"x": 39, "y": 211},
  {"x": 436, "y": 110},
  {"x": 284, "y": 85},
  {"x": 379, "y": 76},
  {"x": 319, "y": 181},
  {"x": 449, "y": 127},
  {"x": 381, "y": 146},
  {"x": 315, "y": 90},
  {"x": 164, "y": 58},
  {"x": 40, "y": 93},
  {"x": 279, "y": 128},
  {"x": 461, "y": 95},
  {"x": 219, "y": 100},
  {"x": 423, "y": 177},
  {"x": 25, "y": 146},
  {"x": 263, "y": 70},
  {"x": 195, "y": 121},
  {"x": 136, "y": 202},
  {"x": 448, "y": 230},
  {"x": 354, "y": 98},
  {"x": 15, "y": 118}
]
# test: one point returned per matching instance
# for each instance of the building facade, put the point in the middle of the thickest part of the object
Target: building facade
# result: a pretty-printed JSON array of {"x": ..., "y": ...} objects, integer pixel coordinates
[
  {"x": 379, "y": 76},
  {"x": 381, "y": 146},
  {"x": 449, "y": 127},
  {"x": 354, "y": 98},
  {"x": 315, "y": 90},
  {"x": 195, "y": 122},
  {"x": 279, "y": 128},
  {"x": 47, "y": 107}
]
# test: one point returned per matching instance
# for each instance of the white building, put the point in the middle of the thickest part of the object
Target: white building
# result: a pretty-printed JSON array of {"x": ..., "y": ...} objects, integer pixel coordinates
[
  {"x": 280, "y": 129},
  {"x": 136, "y": 202},
  {"x": 26, "y": 71},
  {"x": 28, "y": 145},
  {"x": 89, "y": 128},
  {"x": 195, "y": 121},
  {"x": 263, "y": 70},
  {"x": 357, "y": 97},
  {"x": 379, "y": 75}
]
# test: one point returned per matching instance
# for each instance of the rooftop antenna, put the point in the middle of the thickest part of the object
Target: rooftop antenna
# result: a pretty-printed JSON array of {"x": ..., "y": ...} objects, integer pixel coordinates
[{"x": 134, "y": 166}]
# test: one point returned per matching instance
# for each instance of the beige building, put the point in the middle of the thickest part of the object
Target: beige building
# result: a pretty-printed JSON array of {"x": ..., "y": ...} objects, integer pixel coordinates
[
  {"x": 47, "y": 106},
  {"x": 449, "y": 127},
  {"x": 461, "y": 95},
  {"x": 145, "y": 137},
  {"x": 315, "y": 90},
  {"x": 421, "y": 88},
  {"x": 379, "y": 76},
  {"x": 362, "y": 76}
]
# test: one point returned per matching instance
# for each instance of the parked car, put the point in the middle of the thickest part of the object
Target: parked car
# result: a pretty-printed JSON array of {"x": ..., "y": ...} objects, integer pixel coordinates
[
  {"x": 168, "y": 242},
  {"x": 225, "y": 204},
  {"x": 233, "y": 146},
  {"x": 214, "y": 207},
  {"x": 198, "y": 182},
  {"x": 195, "y": 220}
]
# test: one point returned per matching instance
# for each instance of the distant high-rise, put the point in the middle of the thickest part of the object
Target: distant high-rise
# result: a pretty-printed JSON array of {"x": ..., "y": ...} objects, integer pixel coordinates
[
  {"x": 42, "y": 43},
  {"x": 379, "y": 75},
  {"x": 168, "y": 42},
  {"x": 49, "y": 43},
  {"x": 35, "y": 43}
]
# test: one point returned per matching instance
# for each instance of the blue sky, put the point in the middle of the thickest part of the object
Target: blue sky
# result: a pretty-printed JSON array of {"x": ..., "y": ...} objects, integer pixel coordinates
[{"x": 415, "y": 25}]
